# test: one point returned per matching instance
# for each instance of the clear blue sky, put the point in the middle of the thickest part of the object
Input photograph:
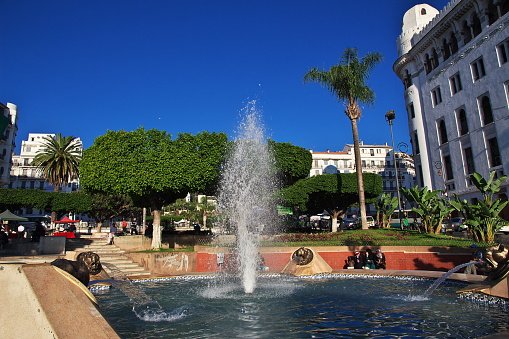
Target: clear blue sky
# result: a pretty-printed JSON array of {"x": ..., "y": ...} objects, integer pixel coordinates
[{"x": 82, "y": 67}]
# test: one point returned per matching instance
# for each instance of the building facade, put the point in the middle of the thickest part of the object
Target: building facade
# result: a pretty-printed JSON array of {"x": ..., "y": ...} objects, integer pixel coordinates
[
  {"x": 454, "y": 65},
  {"x": 8, "y": 130},
  {"x": 24, "y": 175},
  {"x": 377, "y": 159}
]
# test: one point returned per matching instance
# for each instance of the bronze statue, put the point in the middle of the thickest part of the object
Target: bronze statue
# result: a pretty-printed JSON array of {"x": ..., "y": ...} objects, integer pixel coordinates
[
  {"x": 86, "y": 264},
  {"x": 497, "y": 257},
  {"x": 302, "y": 256}
]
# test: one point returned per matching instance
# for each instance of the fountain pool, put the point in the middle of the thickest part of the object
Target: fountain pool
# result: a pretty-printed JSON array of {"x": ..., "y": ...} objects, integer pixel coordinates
[{"x": 324, "y": 306}]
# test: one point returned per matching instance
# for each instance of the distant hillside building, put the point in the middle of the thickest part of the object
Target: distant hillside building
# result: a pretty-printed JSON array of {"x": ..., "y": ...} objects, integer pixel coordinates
[
  {"x": 24, "y": 175},
  {"x": 374, "y": 158},
  {"x": 8, "y": 130},
  {"x": 454, "y": 65}
]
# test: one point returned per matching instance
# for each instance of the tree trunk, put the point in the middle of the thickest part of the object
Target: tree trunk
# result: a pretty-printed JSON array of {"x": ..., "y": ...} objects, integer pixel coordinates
[
  {"x": 334, "y": 216},
  {"x": 156, "y": 229},
  {"x": 56, "y": 188},
  {"x": 358, "y": 170}
]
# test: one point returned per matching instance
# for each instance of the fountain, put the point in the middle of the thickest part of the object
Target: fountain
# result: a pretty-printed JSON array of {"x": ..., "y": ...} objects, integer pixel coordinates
[
  {"x": 245, "y": 198},
  {"x": 289, "y": 306}
]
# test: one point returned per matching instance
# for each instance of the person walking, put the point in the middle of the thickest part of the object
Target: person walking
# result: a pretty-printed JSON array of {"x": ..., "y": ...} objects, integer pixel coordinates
[
  {"x": 111, "y": 235},
  {"x": 134, "y": 227}
]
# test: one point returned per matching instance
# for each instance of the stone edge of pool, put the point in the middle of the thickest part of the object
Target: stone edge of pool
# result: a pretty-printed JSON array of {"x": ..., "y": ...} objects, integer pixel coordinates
[{"x": 54, "y": 305}]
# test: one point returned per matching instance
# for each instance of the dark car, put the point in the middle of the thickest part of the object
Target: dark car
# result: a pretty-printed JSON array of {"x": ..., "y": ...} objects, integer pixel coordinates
[
  {"x": 458, "y": 224},
  {"x": 349, "y": 223}
]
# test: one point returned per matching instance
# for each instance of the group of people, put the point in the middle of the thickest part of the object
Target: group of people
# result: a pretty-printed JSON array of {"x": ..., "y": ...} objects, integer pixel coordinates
[
  {"x": 368, "y": 260},
  {"x": 133, "y": 229}
]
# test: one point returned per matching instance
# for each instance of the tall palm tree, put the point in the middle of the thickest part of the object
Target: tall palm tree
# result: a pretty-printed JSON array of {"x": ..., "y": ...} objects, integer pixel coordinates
[
  {"x": 347, "y": 82},
  {"x": 58, "y": 161}
]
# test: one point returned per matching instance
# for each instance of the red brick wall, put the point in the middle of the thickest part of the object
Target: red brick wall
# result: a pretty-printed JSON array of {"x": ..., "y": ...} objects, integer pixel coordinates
[{"x": 398, "y": 260}]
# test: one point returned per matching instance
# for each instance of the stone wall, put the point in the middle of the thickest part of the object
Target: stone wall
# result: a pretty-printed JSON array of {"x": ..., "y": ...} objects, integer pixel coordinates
[{"x": 205, "y": 258}]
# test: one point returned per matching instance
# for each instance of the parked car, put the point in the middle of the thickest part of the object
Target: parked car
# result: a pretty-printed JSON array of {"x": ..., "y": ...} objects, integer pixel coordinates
[
  {"x": 458, "y": 224},
  {"x": 349, "y": 223},
  {"x": 504, "y": 228},
  {"x": 447, "y": 226}
]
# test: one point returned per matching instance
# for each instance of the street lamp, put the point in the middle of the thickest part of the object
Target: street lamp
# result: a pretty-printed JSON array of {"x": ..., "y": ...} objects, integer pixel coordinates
[{"x": 389, "y": 117}]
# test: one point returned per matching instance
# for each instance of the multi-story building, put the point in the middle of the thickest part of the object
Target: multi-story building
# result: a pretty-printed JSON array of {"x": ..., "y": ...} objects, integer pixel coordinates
[
  {"x": 24, "y": 175},
  {"x": 454, "y": 65},
  {"x": 375, "y": 159},
  {"x": 8, "y": 130}
]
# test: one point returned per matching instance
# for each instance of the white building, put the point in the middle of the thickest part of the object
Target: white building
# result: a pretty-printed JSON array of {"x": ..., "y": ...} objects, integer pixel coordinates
[
  {"x": 454, "y": 65},
  {"x": 8, "y": 130},
  {"x": 375, "y": 159},
  {"x": 24, "y": 175}
]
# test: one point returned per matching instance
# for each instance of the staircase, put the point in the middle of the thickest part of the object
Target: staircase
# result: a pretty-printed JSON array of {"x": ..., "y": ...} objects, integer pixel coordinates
[{"x": 109, "y": 254}]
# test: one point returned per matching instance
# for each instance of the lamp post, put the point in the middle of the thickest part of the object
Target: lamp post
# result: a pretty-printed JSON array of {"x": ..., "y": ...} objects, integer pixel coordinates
[{"x": 389, "y": 117}]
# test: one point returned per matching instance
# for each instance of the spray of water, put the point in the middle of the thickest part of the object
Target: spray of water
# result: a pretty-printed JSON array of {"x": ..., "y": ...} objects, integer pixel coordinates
[{"x": 245, "y": 199}]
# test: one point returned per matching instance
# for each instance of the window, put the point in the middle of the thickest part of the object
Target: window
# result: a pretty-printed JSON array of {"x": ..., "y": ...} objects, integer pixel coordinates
[
  {"x": 407, "y": 80},
  {"x": 467, "y": 33},
  {"x": 448, "y": 168},
  {"x": 477, "y": 68},
  {"x": 372, "y": 152},
  {"x": 486, "y": 111},
  {"x": 502, "y": 52},
  {"x": 363, "y": 163},
  {"x": 442, "y": 132},
  {"x": 455, "y": 83},
  {"x": 476, "y": 25},
  {"x": 436, "y": 96},
  {"x": 423, "y": 11},
  {"x": 411, "y": 110},
  {"x": 469, "y": 160},
  {"x": 495, "y": 158},
  {"x": 416, "y": 143},
  {"x": 462, "y": 122}
]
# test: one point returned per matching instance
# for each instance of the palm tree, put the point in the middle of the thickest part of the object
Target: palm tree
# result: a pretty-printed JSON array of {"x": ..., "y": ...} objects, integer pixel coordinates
[
  {"x": 59, "y": 160},
  {"x": 347, "y": 82}
]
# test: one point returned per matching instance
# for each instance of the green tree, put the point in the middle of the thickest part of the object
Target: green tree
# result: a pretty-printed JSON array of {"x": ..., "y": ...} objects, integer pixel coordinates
[
  {"x": 483, "y": 218},
  {"x": 59, "y": 160},
  {"x": 347, "y": 82},
  {"x": 292, "y": 162},
  {"x": 385, "y": 206},
  {"x": 107, "y": 206},
  {"x": 151, "y": 168},
  {"x": 331, "y": 192},
  {"x": 430, "y": 207}
]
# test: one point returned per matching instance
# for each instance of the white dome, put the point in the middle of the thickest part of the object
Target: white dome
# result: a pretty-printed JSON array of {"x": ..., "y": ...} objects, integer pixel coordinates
[{"x": 417, "y": 17}]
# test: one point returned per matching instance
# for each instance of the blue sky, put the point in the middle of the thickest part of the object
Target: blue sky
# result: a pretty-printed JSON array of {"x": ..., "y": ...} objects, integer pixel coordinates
[{"x": 82, "y": 67}]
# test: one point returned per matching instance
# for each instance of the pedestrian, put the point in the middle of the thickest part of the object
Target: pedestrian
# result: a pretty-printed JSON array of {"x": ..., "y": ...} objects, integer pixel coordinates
[
  {"x": 111, "y": 235},
  {"x": 39, "y": 231},
  {"x": 21, "y": 231},
  {"x": 124, "y": 226},
  {"x": 4, "y": 239},
  {"x": 369, "y": 260},
  {"x": 134, "y": 227},
  {"x": 476, "y": 258},
  {"x": 358, "y": 260},
  {"x": 379, "y": 259}
]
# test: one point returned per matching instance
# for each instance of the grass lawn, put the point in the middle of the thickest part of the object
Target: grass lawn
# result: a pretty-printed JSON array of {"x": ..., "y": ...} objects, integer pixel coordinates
[{"x": 377, "y": 237}]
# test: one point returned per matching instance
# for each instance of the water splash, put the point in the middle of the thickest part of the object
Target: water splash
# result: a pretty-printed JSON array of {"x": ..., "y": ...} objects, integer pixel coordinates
[
  {"x": 245, "y": 198},
  {"x": 144, "y": 307},
  {"x": 446, "y": 275}
]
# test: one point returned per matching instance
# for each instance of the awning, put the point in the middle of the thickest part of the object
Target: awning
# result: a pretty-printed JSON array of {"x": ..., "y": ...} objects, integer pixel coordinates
[
  {"x": 9, "y": 216},
  {"x": 65, "y": 220}
]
